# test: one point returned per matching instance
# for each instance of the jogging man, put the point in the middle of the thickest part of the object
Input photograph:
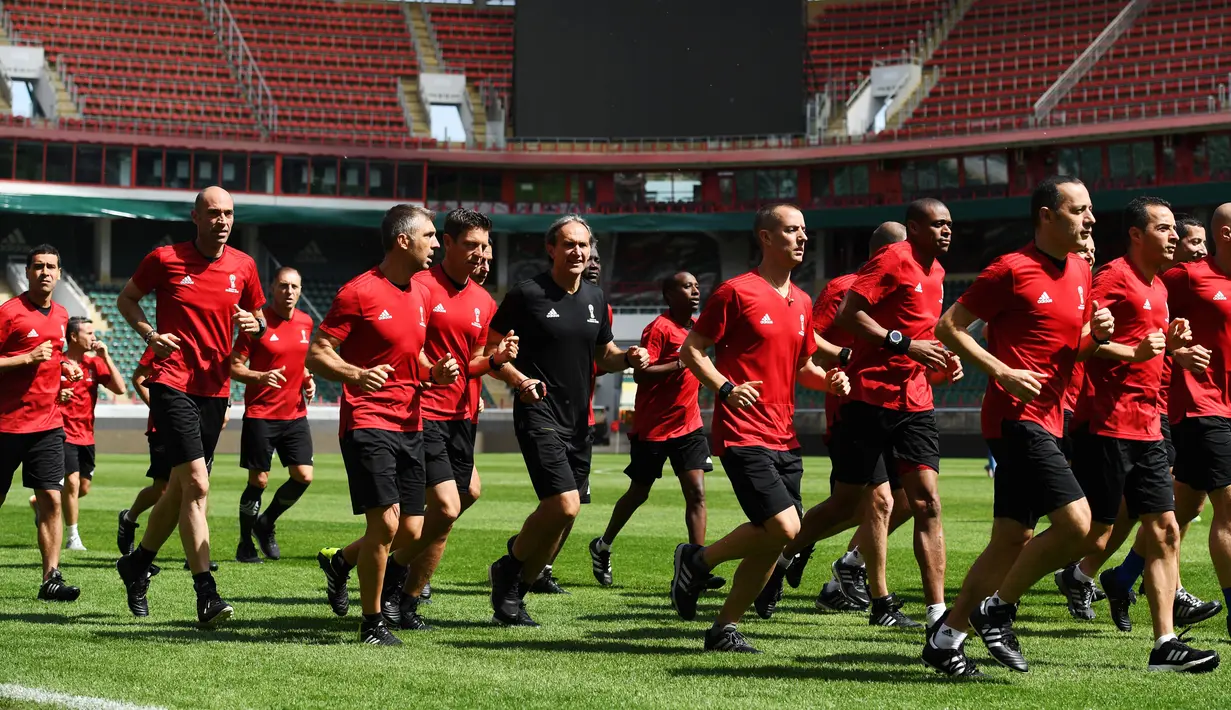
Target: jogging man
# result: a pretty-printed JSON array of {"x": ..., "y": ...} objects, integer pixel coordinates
[
  {"x": 760, "y": 326},
  {"x": 565, "y": 329},
  {"x": 278, "y": 390},
  {"x": 666, "y": 424},
  {"x": 372, "y": 341},
  {"x": 1041, "y": 320},
  {"x": 32, "y": 334},
  {"x": 77, "y": 401},
  {"x": 205, "y": 289}
]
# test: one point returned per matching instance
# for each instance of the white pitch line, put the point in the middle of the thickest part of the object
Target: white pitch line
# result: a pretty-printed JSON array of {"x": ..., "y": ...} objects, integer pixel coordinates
[{"x": 73, "y": 702}]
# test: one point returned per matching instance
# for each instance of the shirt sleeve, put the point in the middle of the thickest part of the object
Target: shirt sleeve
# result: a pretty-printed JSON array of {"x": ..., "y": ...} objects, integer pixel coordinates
[
  {"x": 1176, "y": 282},
  {"x": 147, "y": 358},
  {"x": 825, "y": 310},
  {"x": 604, "y": 329},
  {"x": 721, "y": 308},
  {"x": 808, "y": 346},
  {"x": 991, "y": 292},
  {"x": 102, "y": 373},
  {"x": 652, "y": 341},
  {"x": 253, "y": 297},
  {"x": 879, "y": 277},
  {"x": 149, "y": 272},
  {"x": 509, "y": 312},
  {"x": 345, "y": 312},
  {"x": 243, "y": 345},
  {"x": 1107, "y": 290}
]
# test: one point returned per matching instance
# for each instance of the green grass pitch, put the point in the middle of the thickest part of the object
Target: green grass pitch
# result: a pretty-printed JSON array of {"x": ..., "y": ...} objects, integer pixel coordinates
[{"x": 617, "y": 647}]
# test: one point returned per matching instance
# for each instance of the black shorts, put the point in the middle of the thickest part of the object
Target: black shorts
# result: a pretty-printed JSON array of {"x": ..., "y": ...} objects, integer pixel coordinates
[
  {"x": 837, "y": 440},
  {"x": 557, "y": 463},
  {"x": 41, "y": 457},
  {"x": 385, "y": 468},
  {"x": 1165, "y": 425},
  {"x": 291, "y": 438},
  {"x": 875, "y": 439},
  {"x": 79, "y": 458},
  {"x": 1066, "y": 441},
  {"x": 448, "y": 452},
  {"x": 689, "y": 452},
  {"x": 1109, "y": 469},
  {"x": 189, "y": 424},
  {"x": 1033, "y": 477},
  {"x": 159, "y": 469},
  {"x": 1203, "y": 452},
  {"x": 766, "y": 482}
]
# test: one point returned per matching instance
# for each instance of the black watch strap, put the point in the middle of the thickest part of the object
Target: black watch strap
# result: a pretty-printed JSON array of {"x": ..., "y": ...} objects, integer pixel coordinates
[
  {"x": 725, "y": 391},
  {"x": 495, "y": 366},
  {"x": 844, "y": 357}
]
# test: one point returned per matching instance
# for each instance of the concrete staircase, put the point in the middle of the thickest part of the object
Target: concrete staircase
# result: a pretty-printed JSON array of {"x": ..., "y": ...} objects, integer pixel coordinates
[
  {"x": 426, "y": 50},
  {"x": 479, "y": 128},
  {"x": 413, "y": 108}
]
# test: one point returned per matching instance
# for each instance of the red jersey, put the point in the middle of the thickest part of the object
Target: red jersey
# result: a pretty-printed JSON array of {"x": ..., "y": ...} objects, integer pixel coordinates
[
  {"x": 598, "y": 371},
  {"x": 458, "y": 325},
  {"x": 906, "y": 295},
  {"x": 78, "y": 411},
  {"x": 196, "y": 298},
  {"x": 1124, "y": 395},
  {"x": 1036, "y": 312},
  {"x": 1068, "y": 402},
  {"x": 1164, "y": 404},
  {"x": 824, "y": 311},
  {"x": 28, "y": 394},
  {"x": 147, "y": 361},
  {"x": 758, "y": 335},
  {"x": 284, "y": 344},
  {"x": 380, "y": 324},
  {"x": 1199, "y": 291},
  {"x": 666, "y": 408}
]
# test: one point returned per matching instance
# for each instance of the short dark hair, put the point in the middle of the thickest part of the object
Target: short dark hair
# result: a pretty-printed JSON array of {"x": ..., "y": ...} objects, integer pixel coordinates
[
  {"x": 1047, "y": 194},
  {"x": 282, "y": 270},
  {"x": 553, "y": 232},
  {"x": 1137, "y": 213},
  {"x": 669, "y": 281},
  {"x": 400, "y": 219},
  {"x": 42, "y": 249},
  {"x": 887, "y": 233},
  {"x": 767, "y": 215},
  {"x": 1185, "y": 223},
  {"x": 74, "y": 324},
  {"x": 462, "y": 220},
  {"x": 917, "y": 211}
]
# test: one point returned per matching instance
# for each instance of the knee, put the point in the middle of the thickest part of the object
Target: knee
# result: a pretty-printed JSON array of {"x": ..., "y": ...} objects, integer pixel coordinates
[
  {"x": 694, "y": 495},
  {"x": 302, "y": 474},
  {"x": 1165, "y": 534},
  {"x": 639, "y": 493},
  {"x": 783, "y": 528},
  {"x": 159, "y": 487},
  {"x": 195, "y": 486},
  {"x": 260, "y": 479},
  {"x": 563, "y": 508},
  {"x": 450, "y": 510},
  {"x": 84, "y": 490},
  {"x": 926, "y": 506},
  {"x": 880, "y": 504}
]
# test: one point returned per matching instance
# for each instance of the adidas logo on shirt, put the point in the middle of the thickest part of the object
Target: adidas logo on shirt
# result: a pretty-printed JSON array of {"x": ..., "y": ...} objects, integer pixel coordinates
[
  {"x": 919, "y": 287},
  {"x": 1044, "y": 298},
  {"x": 552, "y": 314},
  {"x": 32, "y": 334},
  {"x": 273, "y": 338},
  {"x": 384, "y": 315},
  {"x": 440, "y": 308},
  {"x": 186, "y": 281},
  {"x": 1146, "y": 307},
  {"x": 766, "y": 320},
  {"x": 1219, "y": 297}
]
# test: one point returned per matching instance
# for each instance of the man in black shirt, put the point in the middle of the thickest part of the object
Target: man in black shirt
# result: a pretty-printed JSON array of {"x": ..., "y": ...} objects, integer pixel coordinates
[{"x": 565, "y": 330}]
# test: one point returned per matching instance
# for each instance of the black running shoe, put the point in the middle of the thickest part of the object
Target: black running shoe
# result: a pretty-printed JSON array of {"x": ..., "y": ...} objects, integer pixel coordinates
[
  {"x": 1189, "y": 610},
  {"x": 1118, "y": 599},
  {"x": 994, "y": 624},
  {"x": 246, "y": 553},
  {"x": 136, "y": 584},
  {"x": 831, "y": 598},
  {"x": 125, "y": 533},
  {"x": 335, "y": 581},
  {"x": 854, "y": 581},
  {"x": 1099, "y": 594},
  {"x": 391, "y": 592},
  {"x": 264, "y": 531},
  {"x": 377, "y": 634},
  {"x": 547, "y": 584},
  {"x": 948, "y": 661},
  {"x": 408, "y": 615},
  {"x": 795, "y": 573},
  {"x": 1080, "y": 595},
  {"x": 523, "y": 618},
  {"x": 211, "y": 610},
  {"x": 54, "y": 589},
  {"x": 687, "y": 580},
  {"x": 1175, "y": 656},
  {"x": 715, "y": 582},
  {"x": 213, "y": 566},
  {"x": 727, "y": 639},
  {"x": 425, "y": 597},
  {"x": 888, "y": 612},
  {"x": 505, "y": 577},
  {"x": 767, "y": 601},
  {"x": 600, "y": 561}
]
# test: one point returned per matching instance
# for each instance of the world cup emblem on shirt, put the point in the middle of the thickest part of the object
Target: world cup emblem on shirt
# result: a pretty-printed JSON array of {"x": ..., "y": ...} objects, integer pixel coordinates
[
  {"x": 232, "y": 289},
  {"x": 1081, "y": 298},
  {"x": 422, "y": 319},
  {"x": 592, "y": 318},
  {"x": 476, "y": 322},
  {"x": 801, "y": 324}
]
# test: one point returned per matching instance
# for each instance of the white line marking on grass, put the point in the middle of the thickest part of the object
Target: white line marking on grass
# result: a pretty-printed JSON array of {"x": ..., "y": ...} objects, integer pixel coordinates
[{"x": 73, "y": 702}]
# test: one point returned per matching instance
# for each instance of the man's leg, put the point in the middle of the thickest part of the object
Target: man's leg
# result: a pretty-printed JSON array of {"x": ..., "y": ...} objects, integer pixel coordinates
[
  {"x": 539, "y": 539},
  {"x": 68, "y": 499},
  {"x": 443, "y": 509},
  {"x": 637, "y": 494},
  {"x": 920, "y": 484},
  {"x": 760, "y": 545},
  {"x": 288, "y": 494},
  {"x": 692, "y": 484},
  {"x": 50, "y": 533},
  {"x": 249, "y": 509},
  {"x": 1161, "y": 535},
  {"x": 146, "y": 498},
  {"x": 1070, "y": 528},
  {"x": 1220, "y": 537},
  {"x": 369, "y": 555},
  {"x": 1108, "y": 542}
]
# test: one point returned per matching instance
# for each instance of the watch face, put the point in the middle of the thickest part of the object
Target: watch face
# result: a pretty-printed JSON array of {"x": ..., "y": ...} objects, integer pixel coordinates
[{"x": 895, "y": 337}]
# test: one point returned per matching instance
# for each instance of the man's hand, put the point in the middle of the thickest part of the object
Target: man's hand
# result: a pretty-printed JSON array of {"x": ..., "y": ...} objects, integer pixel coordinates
[
  {"x": 374, "y": 378},
  {"x": 246, "y": 322},
  {"x": 72, "y": 370},
  {"x": 164, "y": 344},
  {"x": 445, "y": 371},
  {"x": 99, "y": 347},
  {"x": 928, "y": 353},
  {"x": 952, "y": 372},
  {"x": 506, "y": 350},
  {"x": 1195, "y": 359},
  {"x": 482, "y": 406},
  {"x": 273, "y": 378},
  {"x": 532, "y": 391},
  {"x": 65, "y": 396},
  {"x": 41, "y": 353},
  {"x": 309, "y": 385},
  {"x": 638, "y": 358},
  {"x": 1023, "y": 384},
  {"x": 1179, "y": 334},
  {"x": 1102, "y": 324},
  {"x": 1150, "y": 347},
  {"x": 744, "y": 395},
  {"x": 836, "y": 382}
]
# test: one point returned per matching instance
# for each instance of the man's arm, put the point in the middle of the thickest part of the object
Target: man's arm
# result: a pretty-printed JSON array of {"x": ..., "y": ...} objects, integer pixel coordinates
[
  {"x": 241, "y": 372},
  {"x": 37, "y": 356},
  {"x": 952, "y": 331},
  {"x": 114, "y": 382},
  {"x": 827, "y": 354},
  {"x": 853, "y": 317},
  {"x": 129, "y": 304},
  {"x": 610, "y": 358},
  {"x": 503, "y": 351},
  {"x": 693, "y": 354},
  {"x": 323, "y": 359},
  {"x": 138, "y": 379},
  {"x": 814, "y": 377}
]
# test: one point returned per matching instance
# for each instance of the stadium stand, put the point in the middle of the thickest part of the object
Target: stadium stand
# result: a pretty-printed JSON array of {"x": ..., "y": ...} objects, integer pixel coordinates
[
  {"x": 844, "y": 39},
  {"x": 478, "y": 42}
]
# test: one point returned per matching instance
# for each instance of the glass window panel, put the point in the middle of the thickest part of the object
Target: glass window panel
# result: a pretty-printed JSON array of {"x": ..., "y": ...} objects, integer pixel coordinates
[
  {"x": 553, "y": 187},
  {"x": 927, "y": 176},
  {"x": 149, "y": 167},
  {"x": 1119, "y": 161},
  {"x": 59, "y": 162},
  {"x": 491, "y": 187},
  {"x": 860, "y": 184},
  {"x": 1066, "y": 162},
  {"x": 1218, "y": 153},
  {"x": 353, "y": 177},
  {"x": 630, "y": 188},
  {"x": 997, "y": 169},
  {"x": 1091, "y": 164},
  {"x": 179, "y": 169},
  {"x": 263, "y": 176},
  {"x": 205, "y": 170},
  {"x": 820, "y": 182},
  {"x": 89, "y": 167},
  {"x": 294, "y": 176},
  {"x": 324, "y": 176},
  {"x": 910, "y": 178},
  {"x": 745, "y": 184},
  {"x": 6, "y": 159},
  {"x": 1143, "y": 160},
  {"x": 410, "y": 181},
  {"x": 29, "y": 161},
  {"x": 948, "y": 173},
  {"x": 235, "y": 172},
  {"x": 468, "y": 187},
  {"x": 380, "y": 179},
  {"x": 118, "y": 166},
  {"x": 726, "y": 188},
  {"x": 974, "y": 170}
]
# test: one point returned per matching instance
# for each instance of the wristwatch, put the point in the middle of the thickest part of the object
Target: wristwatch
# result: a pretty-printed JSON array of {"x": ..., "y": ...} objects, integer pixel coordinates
[
  {"x": 844, "y": 357},
  {"x": 896, "y": 342}
]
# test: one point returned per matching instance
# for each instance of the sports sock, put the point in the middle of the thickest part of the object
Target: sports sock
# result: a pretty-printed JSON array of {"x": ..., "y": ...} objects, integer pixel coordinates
[
  {"x": 1130, "y": 569},
  {"x": 948, "y": 637},
  {"x": 203, "y": 582},
  {"x": 370, "y": 620},
  {"x": 995, "y": 599},
  {"x": 783, "y": 561},
  {"x": 698, "y": 559},
  {"x": 603, "y": 545},
  {"x": 286, "y": 496},
  {"x": 340, "y": 564},
  {"x": 143, "y": 557},
  {"x": 1162, "y": 640},
  {"x": 1082, "y": 576},
  {"x": 128, "y": 515},
  {"x": 1226, "y": 594},
  {"x": 393, "y": 570},
  {"x": 249, "y": 508},
  {"x": 934, "y": 612},
  {"x": 72, "y": 531},
  {"x": 853, "y": 558}
]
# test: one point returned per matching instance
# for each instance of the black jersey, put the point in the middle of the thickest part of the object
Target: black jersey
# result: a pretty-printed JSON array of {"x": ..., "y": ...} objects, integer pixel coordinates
[{"x": 558, "y": 333}]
